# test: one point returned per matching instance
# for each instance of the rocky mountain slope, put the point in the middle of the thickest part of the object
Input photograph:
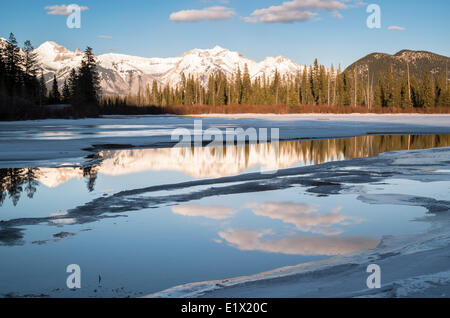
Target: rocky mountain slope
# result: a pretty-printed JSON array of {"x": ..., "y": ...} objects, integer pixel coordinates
[{"x": 419, "y": 63}]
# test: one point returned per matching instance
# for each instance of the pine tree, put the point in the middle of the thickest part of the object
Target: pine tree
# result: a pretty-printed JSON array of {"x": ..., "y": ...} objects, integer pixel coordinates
[
  {"x": 238, "y": 88},
  {"x": 66, "y": 93},
  {"x": 73, "y": 85},
  {"x": 2, "y": 85},
  {"x": 13, "y": 62},
  {"x": 427, "y": 92},
  {"x": 405, "y": 101},
  {"x": 55, "y": 96},
  {"x": 378, "y": 94},
  {"x": 315, "y": 82},
  {"x": 246, "y": 87},
  {"x": 323, "y": 86},
  {"x": 30, "y": 71},
  {"x": 345, "y": 90},
  {"x": 42, "y": 90},
  {"x": 88, "y": 80},
  {"x": 441, "y": 92},
  {"x": 155, "y": 93},
  {"x": 275, "y": 89}
]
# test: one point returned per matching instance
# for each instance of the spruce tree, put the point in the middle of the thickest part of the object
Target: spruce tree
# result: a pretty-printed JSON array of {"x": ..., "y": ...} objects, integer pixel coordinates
[
  {"x": 13, "y": 63},
  {"x": 2, "y": 83},
  {"x": 441, "y": 92},
  {"x": 323, "y": 86},
  {"x": 427, "y": 92},
  {"x": 42, "y": 90},
  {"x": 88, "y": 80},
  {"x": 246, "y": 87},
  {"x": 55, "y": 96},
  {"x": 30, "y": 72},
  {"x": 155, "y": 93},
  {"x": 238, "y": 88},
  {"x": 66, "y": 93},
  {"x": 415, "y": 92},
  {"x": 315, "y": 82}
]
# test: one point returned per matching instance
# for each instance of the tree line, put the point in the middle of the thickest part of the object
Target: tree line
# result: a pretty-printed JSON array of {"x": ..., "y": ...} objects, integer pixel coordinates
[
  {"x": 24, "y": 93},
  {"x": 315, "y": 85},
  {"x": 23, "y": 88}
]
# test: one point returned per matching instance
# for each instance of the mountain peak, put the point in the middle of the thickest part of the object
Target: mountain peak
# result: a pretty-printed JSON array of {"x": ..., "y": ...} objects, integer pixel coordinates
[
  {"x": 218, "y": 48},
  {"x": 51, "y": 47},
  {"x": 49, "y": 44}
]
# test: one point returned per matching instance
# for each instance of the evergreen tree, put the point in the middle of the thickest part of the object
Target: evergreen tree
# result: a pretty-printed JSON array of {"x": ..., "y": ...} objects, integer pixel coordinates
[
  {"x": 13, "y": 62},
  {"x": 246, "y": 87},
  {"x": 323, "y": 86},
  {"x": 2, "y": 83},
  {"x": 305, "y": 88},
  {"x": 73, "y": 85},
  {"x": 238, "y": 88},
  {"x": 378, "y": 94},
  {"x": 441, "y": 91},
  {"x": 88, "y": 80},
  {"x": 415, "y": 92},
  {"x": 315, "y": 82},
  {"x": 42, "y": 90},
  {"x": 345, "y": 90},
  {"x": 30, "y": 72},
  {"x": 427, "y": 98},
  {"x": 66, "y": 96},
  {"x": 405, "y": 101},
  {"x": 55, "y": 96},
  {"x": 155, "y": 93}
]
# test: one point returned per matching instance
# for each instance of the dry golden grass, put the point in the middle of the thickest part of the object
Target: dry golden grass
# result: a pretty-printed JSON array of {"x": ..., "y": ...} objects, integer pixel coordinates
[{"x": 304, "y": 109}]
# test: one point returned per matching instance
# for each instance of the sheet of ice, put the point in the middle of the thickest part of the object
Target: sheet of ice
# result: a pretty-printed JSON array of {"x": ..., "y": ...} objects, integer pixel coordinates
[{"x": 56, "y": 140}]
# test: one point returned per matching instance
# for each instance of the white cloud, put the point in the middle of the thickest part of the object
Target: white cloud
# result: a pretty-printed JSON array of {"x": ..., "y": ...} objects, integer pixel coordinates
[
  {"x": 296, "y": 245},
  {"x": 305, "y": 217},
  {"x": 396, "y": 28},
  {"x": 61, "y": 10},
  {"x": 300, "y": 11},
  {"x": 211, "y": 14},
  {"x": 210, "y": 212},
  {"x": 108, "y": 37}
]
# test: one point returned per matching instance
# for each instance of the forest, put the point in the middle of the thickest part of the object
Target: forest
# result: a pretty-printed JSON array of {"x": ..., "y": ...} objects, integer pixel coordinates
[
  {"x": 316, "y": 86},
  {"x": 24, "y": 94}
]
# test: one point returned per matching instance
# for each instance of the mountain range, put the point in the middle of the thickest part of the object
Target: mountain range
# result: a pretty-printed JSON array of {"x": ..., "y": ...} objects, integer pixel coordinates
[{"x": 124, "y": 74}]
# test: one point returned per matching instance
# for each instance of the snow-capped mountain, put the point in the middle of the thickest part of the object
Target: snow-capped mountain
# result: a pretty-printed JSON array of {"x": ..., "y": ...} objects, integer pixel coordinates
[{"x": 124, "y": 74}]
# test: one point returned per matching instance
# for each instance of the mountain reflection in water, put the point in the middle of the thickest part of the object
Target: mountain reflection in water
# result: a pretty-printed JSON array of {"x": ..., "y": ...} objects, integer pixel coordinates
[{"x": 211, "y": 162}]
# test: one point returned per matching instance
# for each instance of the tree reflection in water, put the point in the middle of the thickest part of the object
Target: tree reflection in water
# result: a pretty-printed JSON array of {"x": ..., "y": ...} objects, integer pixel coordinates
[
  {"x": 207, "y": 162},
  {"x": 14, "y": 181}
]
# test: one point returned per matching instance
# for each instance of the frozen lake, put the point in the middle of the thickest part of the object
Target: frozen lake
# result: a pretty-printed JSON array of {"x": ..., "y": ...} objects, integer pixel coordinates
[{"x": 147, "y": 216}]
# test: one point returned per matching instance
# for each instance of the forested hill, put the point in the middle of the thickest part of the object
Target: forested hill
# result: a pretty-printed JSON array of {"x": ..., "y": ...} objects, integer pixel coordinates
[{"x": 420, "y": 63}]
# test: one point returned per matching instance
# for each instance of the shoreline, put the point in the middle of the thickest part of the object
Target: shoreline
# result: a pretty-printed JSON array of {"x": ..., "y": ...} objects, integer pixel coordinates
[{"x": 55, "y": 142}]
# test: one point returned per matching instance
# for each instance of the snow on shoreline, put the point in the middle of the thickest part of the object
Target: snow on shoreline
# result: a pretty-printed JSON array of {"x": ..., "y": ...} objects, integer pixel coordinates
[
  {"x": 330, "y": 278},
  {"x": 269, "y": 284}
]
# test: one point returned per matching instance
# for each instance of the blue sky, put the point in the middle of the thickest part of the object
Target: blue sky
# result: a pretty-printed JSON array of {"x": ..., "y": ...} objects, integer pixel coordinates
[{"x": 300, "y": 29}]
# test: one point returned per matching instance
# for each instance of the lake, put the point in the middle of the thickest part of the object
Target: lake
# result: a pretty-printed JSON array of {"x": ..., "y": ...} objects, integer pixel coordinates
[{"x": 140, "y": 219}]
